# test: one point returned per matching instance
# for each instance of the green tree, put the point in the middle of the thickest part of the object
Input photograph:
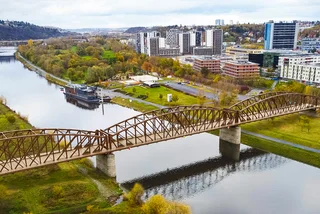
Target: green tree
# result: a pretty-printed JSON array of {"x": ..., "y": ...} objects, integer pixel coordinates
[
  {"x": 160, "y": 96},
  {"x": 175, "y": 98},
  {"x": 204, "y": 71},
  {"x": 134, "y": 90}
]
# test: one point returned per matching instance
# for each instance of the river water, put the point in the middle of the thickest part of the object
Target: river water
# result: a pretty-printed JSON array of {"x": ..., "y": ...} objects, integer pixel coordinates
[{"x": 188, "y": 169}]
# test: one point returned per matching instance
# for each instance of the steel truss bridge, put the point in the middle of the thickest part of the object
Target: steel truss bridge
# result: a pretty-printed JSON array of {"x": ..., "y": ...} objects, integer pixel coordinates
[
  {"x": 187, "y": 181},
  {"x": 27, "y": 149}
]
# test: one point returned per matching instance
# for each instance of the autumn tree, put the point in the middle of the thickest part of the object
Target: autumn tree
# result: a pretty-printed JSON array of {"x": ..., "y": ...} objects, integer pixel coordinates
[{"x": 146, "y": 66}]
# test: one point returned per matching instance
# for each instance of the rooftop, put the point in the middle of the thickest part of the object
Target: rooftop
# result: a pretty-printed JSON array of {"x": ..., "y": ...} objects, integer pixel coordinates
[{"x": 242, "y": 63}]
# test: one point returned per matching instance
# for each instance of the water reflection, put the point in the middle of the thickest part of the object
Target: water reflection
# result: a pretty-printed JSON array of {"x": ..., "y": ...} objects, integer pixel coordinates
[
  {"x": 7, "y": 59},
  {"x": 186, "y": 181},
  {"x": 82, "y": 104}
]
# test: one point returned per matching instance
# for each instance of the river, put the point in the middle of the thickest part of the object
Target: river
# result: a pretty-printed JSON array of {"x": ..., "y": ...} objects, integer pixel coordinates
[{"x": 192, "y": 170}]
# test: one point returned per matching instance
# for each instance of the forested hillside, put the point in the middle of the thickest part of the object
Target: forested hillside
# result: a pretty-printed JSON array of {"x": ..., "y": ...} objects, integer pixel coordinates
[{"x": 15, "y": 30}]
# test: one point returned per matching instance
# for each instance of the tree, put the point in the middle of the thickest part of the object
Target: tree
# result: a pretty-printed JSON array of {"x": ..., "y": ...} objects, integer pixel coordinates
[
  {"x": 201, "y": 97},
  {"x": 30, "y": 43},
  {"x": 146, "y": 66},
  {"x": 204, "y": 71},
  {"x": 175, "y": 98},
  {"x": 106, "y": 84},
  {"x": 134, "y": 90},
  {"x": 304, "y": 122},
  {"x": 160, "y": 96}
]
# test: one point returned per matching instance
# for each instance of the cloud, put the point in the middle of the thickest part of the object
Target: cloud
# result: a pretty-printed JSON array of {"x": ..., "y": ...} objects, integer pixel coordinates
[{"x": 126, "y": 13}]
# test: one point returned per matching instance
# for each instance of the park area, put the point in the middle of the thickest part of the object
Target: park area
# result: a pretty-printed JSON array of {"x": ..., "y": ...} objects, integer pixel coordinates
[{"x": 159, "y": 95}]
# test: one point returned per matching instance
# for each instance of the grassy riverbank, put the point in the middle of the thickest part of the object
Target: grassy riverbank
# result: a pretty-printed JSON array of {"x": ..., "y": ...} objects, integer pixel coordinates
[
  {"x": 63, "y": 188},
  {"x": 289, "y": 128},
  {"x": 135, "y": 105},
  {"x": 297, "y": 154}
]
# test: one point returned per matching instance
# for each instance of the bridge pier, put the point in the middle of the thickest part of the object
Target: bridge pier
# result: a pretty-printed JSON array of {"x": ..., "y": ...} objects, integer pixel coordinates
[
  {"x": 106, "y": 163},
  {"x": 229, "y": 142}
]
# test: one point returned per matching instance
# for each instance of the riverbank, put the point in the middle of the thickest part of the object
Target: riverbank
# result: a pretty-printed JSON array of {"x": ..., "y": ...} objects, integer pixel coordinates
[
  {"x": 62, "y": 188},
  {"x": 51, "y": 78}
]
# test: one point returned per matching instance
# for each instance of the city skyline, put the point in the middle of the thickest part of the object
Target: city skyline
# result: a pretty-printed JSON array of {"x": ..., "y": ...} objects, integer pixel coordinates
[{"x": 117, "y": 14}]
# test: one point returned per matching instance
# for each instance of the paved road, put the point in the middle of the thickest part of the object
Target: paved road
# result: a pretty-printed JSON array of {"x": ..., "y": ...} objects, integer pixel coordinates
[
  {"x": 282, "y": 141},
  {"x": 193, "y": 91}
]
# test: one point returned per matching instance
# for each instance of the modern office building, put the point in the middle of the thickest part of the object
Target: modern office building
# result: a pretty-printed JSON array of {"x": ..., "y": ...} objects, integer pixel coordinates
[
  {"x": 153, "y": 49},
  {"x": 169, "y": 52},
  {"x": 214, "y": 39},
  {"x": 266, "y": 59},
  {"x": 172, "y": 37},
  {"x": 241, "y": 69},
  {"x": 217, "y": 41},
  {"x": 204, "y": 51},
  {"x": 184, "y": 43},
  {"x": 162, "y": 42},
  {"x": 195, "y": 38},
  {"x": 304, "y": 67},
  {"x": 242, "y": 51},
  {"x": 143, "y": 41},
  {"x": 211, "y": 63},
  {"x": 281, "y": 35},
  {"x": 310, "y": 44}
]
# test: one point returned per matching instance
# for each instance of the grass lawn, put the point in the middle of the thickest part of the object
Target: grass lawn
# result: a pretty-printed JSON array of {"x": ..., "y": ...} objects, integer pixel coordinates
[
  {"x": 154, "y": 93},
  {"x": 60, "y": 188},
  {"x": 288, "y": 128},
  {"x": 300, "y": 155},
  {"x": 108, "y": 54},
  {"x": 134, "y": 104}
]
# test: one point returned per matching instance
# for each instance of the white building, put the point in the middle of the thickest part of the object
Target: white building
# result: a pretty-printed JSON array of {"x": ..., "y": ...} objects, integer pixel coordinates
[
  {"x": 308, "y": 44},
  {"x": 162, "y": 43},
  {"x": 300, "y": 67},
  {"x": 209, "y": 38}
]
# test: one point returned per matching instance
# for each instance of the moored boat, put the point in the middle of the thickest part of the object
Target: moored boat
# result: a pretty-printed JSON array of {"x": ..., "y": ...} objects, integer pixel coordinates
[{"x": 82, "y": 92}]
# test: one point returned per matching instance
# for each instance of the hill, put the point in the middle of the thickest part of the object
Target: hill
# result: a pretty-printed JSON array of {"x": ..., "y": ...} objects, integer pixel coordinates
[
  {"x": 16, "y": 30},
  {"x": 313, "y": 32}
]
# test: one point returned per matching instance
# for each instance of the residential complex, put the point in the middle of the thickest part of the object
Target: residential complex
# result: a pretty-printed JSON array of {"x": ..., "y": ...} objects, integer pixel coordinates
[
  {"x": 241, "y": 70},
  {"x": 213, "y": 64},
  {"x": 281, "y": 35},
  {"x": 300, "y": 67},
  {"x": 187, "y": 42},
  {"x": 310, "y": 44}
]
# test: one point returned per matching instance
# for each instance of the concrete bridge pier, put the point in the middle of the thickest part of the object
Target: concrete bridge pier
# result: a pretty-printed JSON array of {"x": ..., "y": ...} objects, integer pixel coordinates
[
  {"x": 229, "y": 142},
  {"x": 106, "y": 163}
]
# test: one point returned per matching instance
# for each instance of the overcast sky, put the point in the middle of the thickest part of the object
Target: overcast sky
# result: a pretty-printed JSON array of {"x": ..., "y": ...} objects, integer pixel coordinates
[{"x": 129, "y": 13}]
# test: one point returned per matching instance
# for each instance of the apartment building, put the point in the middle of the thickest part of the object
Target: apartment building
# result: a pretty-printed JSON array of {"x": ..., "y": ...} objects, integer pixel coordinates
[
  {"x": 309, "y": 44},
  {"x": 213, "y": 64},
  {"x": 300, "y": 67},
  {"x": 241, "y": 69}
]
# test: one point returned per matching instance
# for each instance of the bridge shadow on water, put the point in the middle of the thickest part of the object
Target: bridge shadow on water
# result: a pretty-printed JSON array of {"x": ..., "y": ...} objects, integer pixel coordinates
[{"x": 186, "y": 181}]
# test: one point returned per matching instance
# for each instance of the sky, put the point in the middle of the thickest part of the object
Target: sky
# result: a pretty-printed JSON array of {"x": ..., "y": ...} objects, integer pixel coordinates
[{"x": 72, "y": 14}]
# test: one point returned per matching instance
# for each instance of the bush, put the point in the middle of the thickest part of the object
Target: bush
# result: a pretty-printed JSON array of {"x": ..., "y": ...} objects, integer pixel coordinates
[
  {"x": 87, "y": 162},
  {"x": 157, "y": 204},
  {"x": 142, "y": 96},
  {"x": 134, "y": 196},
  {"x": 11, "y": 118},
  {"x": 57, "y": 191}
]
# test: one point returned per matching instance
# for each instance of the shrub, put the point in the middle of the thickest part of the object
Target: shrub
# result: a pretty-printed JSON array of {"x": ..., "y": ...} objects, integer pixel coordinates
[
  {"x": 134, "y": 90},
  {"x": 57, "y": 191},
  {"x": 11, "y": 118},
  {"x": 142, "y": 96},
  {"x": 160, "y": 96},
  {"x": 156, "y": 205},
  {"x": 87, "y": 162},
  {"x": 134, "y": 196},
  {"x": 175, "y": 98}
]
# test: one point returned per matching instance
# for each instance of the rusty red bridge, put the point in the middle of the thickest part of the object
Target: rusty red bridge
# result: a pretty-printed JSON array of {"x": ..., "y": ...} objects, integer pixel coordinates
[{"x": 27, "y": 149}]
